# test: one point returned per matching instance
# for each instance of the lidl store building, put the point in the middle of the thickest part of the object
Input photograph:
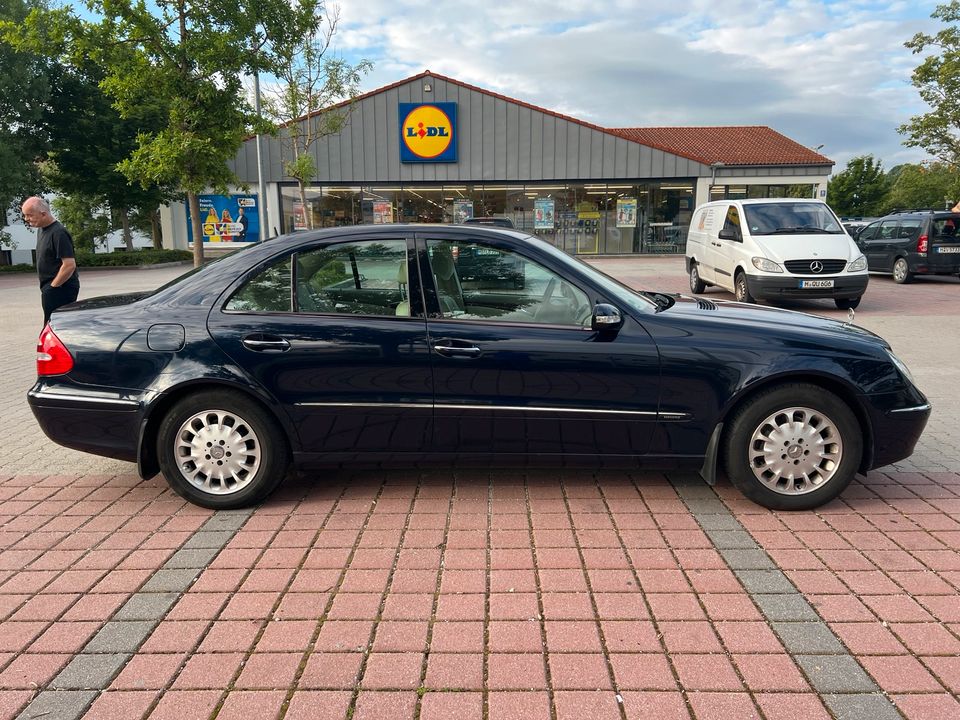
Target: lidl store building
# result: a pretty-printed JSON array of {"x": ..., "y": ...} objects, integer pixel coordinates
[{"x": 433, "y": 149}]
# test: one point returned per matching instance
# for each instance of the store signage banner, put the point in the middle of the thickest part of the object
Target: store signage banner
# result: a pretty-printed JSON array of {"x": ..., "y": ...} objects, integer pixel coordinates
[
  {"x": 428, "y": 132},
  {"x": 626, "y": 212},
  {"x": 543, "y": 214},
  {"x": 221, "y": 219}
]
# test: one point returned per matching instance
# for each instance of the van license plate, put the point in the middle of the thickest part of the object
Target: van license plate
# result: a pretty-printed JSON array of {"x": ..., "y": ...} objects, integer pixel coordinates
[
  {"x": 949, "y": 249},
  {"x": 816, "y": 283}
]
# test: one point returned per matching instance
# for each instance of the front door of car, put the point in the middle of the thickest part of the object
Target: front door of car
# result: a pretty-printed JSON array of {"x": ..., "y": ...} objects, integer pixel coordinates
[
  {"x": 517, "y": 369},
  {"x": 336, "y": 334},
  {"x": 876, "y": 241},
  {"x": 726, "y": 250}
]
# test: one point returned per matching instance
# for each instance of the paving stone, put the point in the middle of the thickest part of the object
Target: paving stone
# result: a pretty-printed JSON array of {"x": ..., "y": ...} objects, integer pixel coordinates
[
  {"x": 147, "y": 606},
  {"x": 193, "y": 558},
  {"x": 87, "y": 671},
  {"x": 836, "y": 674},
  {"x": 767, "y": 582},
  {"x": 706, "y": 506},
  {"x": 120, "y": 636},
  {"x": 209, "y": 539},
  {"x": 719, "y": 520},
  {"x": 732, "y": 539},
  {"x": 59, "y": 705},
  {"x": 862, "y": 706},
  {"x": 231, "y": 520},
  {"x": 787, "y": 607},
  {"x": 747, "y": 559},
  {"x": 174, "y": 580},
  {"x": 808, "y": 638}
]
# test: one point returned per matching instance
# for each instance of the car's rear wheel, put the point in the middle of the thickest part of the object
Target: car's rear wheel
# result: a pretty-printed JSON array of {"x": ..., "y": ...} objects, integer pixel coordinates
[
  {"x": 696, "y": 284},
  {"x": 221, "y": 450},
  {"x": 741, "y": 291},
  {"x": 793, "y": 447},
  {"x": 847, "y": 303},
  {"x": 901, "y": 271}
]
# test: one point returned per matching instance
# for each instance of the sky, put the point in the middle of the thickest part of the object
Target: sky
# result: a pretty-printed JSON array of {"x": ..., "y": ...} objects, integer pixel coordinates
[{"x": 822, "y": 72}]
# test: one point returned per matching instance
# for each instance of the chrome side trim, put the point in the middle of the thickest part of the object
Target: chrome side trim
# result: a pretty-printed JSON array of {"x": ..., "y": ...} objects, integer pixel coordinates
[
  {"x": 84, "y": 399},
  {"x": 916, "y": 408},
  {"x": 668, "y": 417}
]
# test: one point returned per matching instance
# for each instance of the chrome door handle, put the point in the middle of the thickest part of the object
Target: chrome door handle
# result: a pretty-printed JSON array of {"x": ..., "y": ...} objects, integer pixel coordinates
[
  {"x": 453, "y": 351},
  {"x": 266, "y": 344}
]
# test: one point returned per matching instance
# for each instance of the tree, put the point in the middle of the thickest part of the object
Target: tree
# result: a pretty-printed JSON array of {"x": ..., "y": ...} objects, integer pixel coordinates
[
  {"x": 304, "y": 101},
  {"x": 24, "y": 90},
  {"x": 89, "y": 222},
  {"x": 937, "y": 79},
  {"x": 859, "y": 190},
  {"x": 930, "y": 185},
  {"x": 188, "y": 57}
]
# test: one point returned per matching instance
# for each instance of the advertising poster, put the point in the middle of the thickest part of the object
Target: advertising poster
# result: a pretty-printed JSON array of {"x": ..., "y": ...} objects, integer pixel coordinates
[
  {"x": 299, "y": 216},
  {"x": 626, "y": 212},
  {"x": 227, "y": 219},
  {"x": 543, "y": 212},
  {"x": 462, "y": 210},
  {"x": 382, "y": 213}
]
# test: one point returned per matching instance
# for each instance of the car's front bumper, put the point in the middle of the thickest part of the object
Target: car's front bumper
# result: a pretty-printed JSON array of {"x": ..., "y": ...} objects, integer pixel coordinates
[
  {"x": 897, "y": 420},
  {"x": 766, "y": 287}
]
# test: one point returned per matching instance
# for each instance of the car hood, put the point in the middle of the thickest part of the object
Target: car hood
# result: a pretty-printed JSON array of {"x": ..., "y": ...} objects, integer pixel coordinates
[
  {"x": 766, "y": 319},
  {"x": 792, "y": 246}
]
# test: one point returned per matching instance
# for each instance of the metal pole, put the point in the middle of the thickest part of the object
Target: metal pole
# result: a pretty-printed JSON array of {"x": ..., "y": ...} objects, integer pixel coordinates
[{"x": 261, "y": 184}]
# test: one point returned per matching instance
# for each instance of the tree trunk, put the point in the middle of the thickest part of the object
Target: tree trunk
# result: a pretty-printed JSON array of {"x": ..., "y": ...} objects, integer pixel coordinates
[
  {"x": 127, "y": 232},
  {"x": 155, "y": 234},
  {"x": 194, "y": 203},
  {"x": 307, "y": 215}
]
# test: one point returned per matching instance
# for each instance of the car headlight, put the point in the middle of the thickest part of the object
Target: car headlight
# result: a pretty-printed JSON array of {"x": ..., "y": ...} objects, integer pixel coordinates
[
  {"x": 761, "y": 263},
  {"x": 857, "y": 265},
  {"x": 901, "y": 367}
]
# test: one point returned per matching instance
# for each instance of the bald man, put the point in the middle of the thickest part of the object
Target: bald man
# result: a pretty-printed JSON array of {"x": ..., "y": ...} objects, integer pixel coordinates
[{"x": 56, "y": 263}]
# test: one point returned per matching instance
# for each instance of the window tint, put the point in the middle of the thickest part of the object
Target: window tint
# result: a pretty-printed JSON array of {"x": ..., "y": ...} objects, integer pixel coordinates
[
  {"x": 888, "y": 229},
  {"x": 909, "y": 229},
  {"x": 946, "y": 227},
  {"x": 477, "y": 282},
  {"x": 267, "y": 291},
  {"x": 362, "y": 278}
]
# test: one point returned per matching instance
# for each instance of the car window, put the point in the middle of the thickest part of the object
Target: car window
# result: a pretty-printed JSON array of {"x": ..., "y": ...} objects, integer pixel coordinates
[
  {"x": 475, "y": 281},
  {"x": 888, "y": 229},
  {"x": 787, "y": 217},
  {"x": 267, "y": 291},
  {"x": 869, "y": 232},
  {"x": 909, "y": 229},
  {"x": 732, "y": 221},
  {"x": 358, "y": 278},
  {"x": 946, "y": 227}
]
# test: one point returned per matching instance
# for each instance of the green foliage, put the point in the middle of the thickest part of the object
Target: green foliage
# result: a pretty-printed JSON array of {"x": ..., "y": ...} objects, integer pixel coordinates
[
  {"x": 134, "y": 258},
  {"x": 17, "y": 268},
  {"x": 932, "y": 185},
  {"x": 860, "y": 189},
  {"x": 88, "y": 222},
  {"x": 937, "y": 79}
]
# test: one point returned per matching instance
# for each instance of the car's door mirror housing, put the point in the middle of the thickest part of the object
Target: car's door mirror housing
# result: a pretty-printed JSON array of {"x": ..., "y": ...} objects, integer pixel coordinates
[
  {"x": 606, "y": 317},
  {"x": 728, "y": 234}
]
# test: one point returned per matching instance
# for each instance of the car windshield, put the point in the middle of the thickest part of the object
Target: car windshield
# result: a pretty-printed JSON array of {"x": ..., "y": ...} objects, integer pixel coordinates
[{"x": 791, "y": 217}]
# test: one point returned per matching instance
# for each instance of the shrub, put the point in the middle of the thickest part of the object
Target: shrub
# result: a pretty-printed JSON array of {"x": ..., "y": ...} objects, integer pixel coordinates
[{"x": 137, "y": 257}]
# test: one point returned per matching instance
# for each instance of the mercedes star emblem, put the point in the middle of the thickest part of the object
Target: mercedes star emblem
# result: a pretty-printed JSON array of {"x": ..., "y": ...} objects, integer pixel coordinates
[{"x": 816, "y": 266}]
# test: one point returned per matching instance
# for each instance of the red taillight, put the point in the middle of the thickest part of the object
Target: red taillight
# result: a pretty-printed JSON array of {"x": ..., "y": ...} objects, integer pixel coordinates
[
  {"x": 922, "y": 243},
  {"x": 53, "y": 358}
]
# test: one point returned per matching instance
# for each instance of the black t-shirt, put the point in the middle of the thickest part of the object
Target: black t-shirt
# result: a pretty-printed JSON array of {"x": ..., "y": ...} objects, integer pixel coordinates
[{"x": 53, "y": 244}]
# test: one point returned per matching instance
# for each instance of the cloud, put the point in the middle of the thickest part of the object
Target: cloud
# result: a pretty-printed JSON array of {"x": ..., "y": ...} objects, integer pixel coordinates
[{"x": 831, "y": 73}]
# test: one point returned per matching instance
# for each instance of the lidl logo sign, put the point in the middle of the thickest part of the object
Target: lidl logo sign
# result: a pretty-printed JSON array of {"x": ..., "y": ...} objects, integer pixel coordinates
[{"x": 428, "y": 133}]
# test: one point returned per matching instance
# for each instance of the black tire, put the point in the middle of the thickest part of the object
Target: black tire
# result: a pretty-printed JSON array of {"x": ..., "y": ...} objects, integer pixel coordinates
[
  {"x": 244, "y": 440},
  {"x": 809, "y": 421},
  {"x": 847, "y": 303},
  {"x": 740, "y": 289},
  {"x": 901, "y": 271},
  {"x": 697, "y": 285}
]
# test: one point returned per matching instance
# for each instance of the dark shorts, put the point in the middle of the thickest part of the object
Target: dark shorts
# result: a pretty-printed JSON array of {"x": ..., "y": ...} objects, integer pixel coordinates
[{"x": 53, "y": 297}]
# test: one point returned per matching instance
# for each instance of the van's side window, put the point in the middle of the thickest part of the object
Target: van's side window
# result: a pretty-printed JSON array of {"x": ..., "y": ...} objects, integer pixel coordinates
[{"x": 732, "y": 221}]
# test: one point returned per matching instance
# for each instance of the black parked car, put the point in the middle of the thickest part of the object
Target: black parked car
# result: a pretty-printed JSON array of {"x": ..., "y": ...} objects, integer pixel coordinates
[
  {"x": 362, "y": 345},
  {"x": 923, "y": 242}
]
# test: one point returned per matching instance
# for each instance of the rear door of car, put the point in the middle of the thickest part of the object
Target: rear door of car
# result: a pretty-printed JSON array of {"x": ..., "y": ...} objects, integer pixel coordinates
[
  {"x": 944, "y": 243},
  {"x": 336, "y": 334},
  {"x": 517, "y": 369}
]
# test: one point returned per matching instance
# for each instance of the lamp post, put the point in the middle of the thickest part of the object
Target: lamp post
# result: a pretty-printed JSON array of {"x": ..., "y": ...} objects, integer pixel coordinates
[{"x": 261, "y": 183}]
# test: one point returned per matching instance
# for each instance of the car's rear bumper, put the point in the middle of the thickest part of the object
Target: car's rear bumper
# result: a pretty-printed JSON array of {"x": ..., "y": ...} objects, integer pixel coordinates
[{"x": 764, "y": 287}]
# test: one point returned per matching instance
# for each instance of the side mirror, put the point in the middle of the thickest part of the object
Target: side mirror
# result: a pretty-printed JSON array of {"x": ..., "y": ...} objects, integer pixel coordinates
[
  {"x": 726, "y": 234},
  {"x": 606, "y": 317}
]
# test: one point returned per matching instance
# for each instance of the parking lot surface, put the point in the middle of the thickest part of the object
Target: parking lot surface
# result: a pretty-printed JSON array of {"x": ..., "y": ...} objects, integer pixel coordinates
[{"x": 553, "y": 594}]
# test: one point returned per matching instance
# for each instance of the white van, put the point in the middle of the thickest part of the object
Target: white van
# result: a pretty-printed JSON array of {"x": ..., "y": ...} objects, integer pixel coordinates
[{"x": 774, "y": 249}]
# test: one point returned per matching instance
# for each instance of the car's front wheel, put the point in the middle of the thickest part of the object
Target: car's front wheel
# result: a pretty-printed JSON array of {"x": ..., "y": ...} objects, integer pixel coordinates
[
  {"x": 793, "y": 447},
  {"x": 221, "y": 450},
  {"x": 697, "y": 285},
  {"x": 741, "y": 291},
  {"x": 901, "y": 271}
]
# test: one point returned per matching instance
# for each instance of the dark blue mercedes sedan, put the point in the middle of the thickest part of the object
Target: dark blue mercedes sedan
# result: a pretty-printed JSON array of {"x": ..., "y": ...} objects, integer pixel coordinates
[{"x": 371, "y": 345}]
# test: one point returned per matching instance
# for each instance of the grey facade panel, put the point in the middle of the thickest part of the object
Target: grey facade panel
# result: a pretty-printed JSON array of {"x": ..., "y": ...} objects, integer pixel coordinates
[{"x": 498, "y": 141}]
